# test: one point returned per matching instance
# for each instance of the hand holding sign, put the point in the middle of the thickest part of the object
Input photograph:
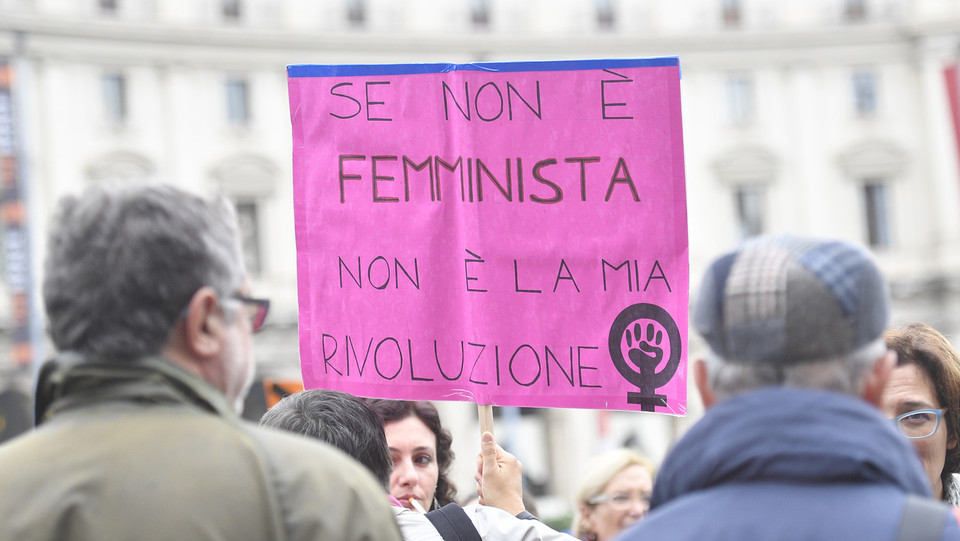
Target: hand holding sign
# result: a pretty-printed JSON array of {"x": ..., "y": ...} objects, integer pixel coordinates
[{"x": 499, "y": 477}]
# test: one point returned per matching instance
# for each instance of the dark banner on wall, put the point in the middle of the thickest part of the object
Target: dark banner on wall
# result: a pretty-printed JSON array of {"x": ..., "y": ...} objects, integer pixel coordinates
[{"x": 14, "y": 227}]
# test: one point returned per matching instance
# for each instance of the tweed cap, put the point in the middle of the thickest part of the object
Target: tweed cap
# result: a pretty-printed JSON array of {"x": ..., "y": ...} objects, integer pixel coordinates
[{"x": 788, "y": 300}]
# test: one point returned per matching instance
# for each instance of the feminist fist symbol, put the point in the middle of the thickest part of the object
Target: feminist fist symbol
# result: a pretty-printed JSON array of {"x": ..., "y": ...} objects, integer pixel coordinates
[
  {"x": 655, "y": 341},
  {"x": 647, "y": 354}
]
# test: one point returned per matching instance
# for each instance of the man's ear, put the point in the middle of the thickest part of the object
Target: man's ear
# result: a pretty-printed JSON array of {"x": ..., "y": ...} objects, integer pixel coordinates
[
  {"x": 702, "y": 378},
  {"x": 875, "y": 381},
  {"x": 586, "y": 518},
  {"x": 203, "y": 324}
]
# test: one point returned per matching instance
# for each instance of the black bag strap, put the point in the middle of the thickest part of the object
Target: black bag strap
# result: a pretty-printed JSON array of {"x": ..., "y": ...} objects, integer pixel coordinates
[
  {"x": 922, "y": 519},
  {"x": 453, "y": 523}
]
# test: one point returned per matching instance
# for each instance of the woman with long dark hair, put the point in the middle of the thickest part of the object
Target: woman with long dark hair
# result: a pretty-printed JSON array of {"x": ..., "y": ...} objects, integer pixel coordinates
[{"x": 420, "y": 448}]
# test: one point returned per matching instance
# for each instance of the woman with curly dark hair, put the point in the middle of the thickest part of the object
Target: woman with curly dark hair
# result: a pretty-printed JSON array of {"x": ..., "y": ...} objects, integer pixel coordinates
[
  {"x": 922, "y": 395},
  {"x": 420, "y": 448}
]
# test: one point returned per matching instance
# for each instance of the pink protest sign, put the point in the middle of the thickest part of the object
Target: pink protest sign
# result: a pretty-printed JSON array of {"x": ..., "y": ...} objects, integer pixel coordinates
[{"x": 505, "y": 233}]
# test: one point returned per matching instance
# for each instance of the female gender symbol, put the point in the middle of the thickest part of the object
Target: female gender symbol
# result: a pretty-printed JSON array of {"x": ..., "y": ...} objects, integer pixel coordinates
[{"x": 646, "y": 355}]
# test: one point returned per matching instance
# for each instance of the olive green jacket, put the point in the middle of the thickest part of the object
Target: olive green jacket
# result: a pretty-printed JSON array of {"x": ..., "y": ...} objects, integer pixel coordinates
[{"x": 145, "y": 451}]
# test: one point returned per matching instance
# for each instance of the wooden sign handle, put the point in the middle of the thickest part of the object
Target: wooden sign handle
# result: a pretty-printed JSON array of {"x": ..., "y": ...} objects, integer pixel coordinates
[{"x": 485, "y": 412}]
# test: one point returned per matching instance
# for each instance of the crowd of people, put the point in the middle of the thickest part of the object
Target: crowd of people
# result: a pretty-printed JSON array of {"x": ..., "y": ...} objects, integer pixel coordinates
[{"x": 822, "y": 421}]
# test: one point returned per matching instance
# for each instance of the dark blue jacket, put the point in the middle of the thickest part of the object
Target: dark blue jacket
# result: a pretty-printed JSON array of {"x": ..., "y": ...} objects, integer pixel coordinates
[{"x": 786, "y": 464}]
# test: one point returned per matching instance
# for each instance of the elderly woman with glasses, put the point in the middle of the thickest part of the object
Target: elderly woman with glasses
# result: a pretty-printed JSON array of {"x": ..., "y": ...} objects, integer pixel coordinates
[
  {"x": 613, "y": 494},
  {"x": 923, "y": 398}
]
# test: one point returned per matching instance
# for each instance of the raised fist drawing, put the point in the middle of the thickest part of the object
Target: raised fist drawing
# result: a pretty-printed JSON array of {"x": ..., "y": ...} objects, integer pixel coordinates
[{"x": 645, "y": 352}]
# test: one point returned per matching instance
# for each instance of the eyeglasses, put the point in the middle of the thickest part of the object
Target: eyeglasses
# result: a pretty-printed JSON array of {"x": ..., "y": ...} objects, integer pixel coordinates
[
  {"x": 256, "y": 310},
  {"x": 919, "y": 424},
  {"x": 620, "y": 500}
]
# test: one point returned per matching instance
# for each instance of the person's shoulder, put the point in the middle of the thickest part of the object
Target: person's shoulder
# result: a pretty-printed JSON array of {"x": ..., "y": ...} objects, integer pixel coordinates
[
  {"x": 494, "y": 523},
  {"x": 951, "y": 524},
  {"x": 305, "y": 472},
  {"x": 293, "y": 455},
  {"x": 19, "y": 448},
  {"x": 414, "y": 525}
]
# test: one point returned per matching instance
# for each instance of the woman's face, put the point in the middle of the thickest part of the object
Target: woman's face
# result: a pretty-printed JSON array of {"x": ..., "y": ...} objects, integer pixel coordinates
[
  {"x": 910, "y": 389},
  {"x": 413, "y": 447},
  {"x": 627, "y": 500}
]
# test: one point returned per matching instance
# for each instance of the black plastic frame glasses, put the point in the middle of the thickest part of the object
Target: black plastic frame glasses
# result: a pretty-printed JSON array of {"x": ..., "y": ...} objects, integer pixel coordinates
[{"x": 257, "y": 310}]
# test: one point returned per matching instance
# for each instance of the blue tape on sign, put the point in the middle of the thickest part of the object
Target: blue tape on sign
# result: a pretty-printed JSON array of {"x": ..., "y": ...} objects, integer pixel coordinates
[{"x": 347, "y": 70}]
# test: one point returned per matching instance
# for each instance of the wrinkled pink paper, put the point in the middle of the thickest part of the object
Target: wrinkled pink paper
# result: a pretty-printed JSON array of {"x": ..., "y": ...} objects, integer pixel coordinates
[{"x": 560, "y": 253}]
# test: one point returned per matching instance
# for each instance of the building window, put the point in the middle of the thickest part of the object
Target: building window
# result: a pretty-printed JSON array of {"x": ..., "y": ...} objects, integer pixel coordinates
[
  {"x": 730, "y": 10},
  {"x": 865, "y": 92},
  {"x": 749, "y": 206},
  {"x": 480, "y": 13},
  {"x": 877, "y": 213},
  {"x": 114, "y": 87},
  {"x": 606, "y": 15},
  {"x": 740, "y": 98},
  {"x": 108, "y": 6},
  {"x": 230, "y": 9},
  {"x": 249, "y": 221},
  {"x": 855, "y": 10},
  {"x": 356, "y": 12},
  {"x": 238, "y": 102}
]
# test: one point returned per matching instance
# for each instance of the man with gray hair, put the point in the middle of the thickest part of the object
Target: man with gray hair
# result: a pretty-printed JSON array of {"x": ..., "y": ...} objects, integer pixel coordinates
[
  {"x": 138, "y": 431},
  {"x": 792, "y": 445}
]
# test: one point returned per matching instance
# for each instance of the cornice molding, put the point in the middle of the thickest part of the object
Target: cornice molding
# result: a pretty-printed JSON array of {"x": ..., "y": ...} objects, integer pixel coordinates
[{"x": 42, "y": 34}]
